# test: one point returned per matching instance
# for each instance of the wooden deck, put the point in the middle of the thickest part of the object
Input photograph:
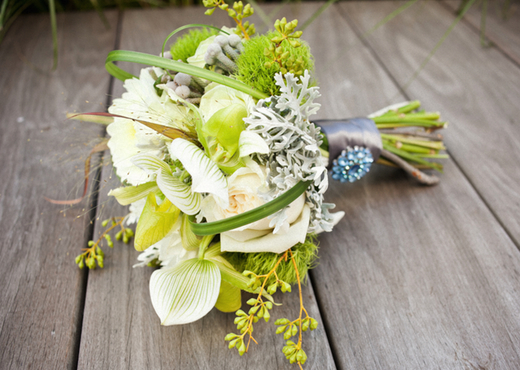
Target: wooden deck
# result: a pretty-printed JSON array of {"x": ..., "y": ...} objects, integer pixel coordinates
[{"x": 412, "y": 277}]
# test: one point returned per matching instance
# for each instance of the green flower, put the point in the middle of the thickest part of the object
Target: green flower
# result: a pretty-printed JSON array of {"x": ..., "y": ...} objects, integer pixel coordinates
[{"x": 221, "y": 134}]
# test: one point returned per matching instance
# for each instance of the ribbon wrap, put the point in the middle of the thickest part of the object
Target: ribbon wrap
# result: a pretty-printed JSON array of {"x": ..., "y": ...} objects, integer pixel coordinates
[{"x": 351, "y": 132}]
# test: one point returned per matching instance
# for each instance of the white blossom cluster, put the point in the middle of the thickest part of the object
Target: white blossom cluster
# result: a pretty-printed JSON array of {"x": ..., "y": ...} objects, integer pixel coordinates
[{"x": 283, "y": 122}]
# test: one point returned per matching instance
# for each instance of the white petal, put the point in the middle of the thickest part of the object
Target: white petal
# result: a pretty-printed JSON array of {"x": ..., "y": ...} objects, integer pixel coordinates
[
  {"x": 150, "y": 164},
  {"x": 186, "y": 292},
  {"x": 122, "y": 149},
  {"x": 250, "y": 143},
  {"x": 275, "y": 243},
  {"x": 206, "y": 177},
  {"x": 179, "y": 193}
]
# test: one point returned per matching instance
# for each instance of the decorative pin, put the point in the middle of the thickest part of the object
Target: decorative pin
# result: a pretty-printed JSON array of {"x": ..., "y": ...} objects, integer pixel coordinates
[{"x": 352, "y": 164}]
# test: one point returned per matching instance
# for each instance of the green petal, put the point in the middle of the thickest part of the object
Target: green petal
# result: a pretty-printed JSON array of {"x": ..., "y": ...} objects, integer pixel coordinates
[
  {"x": 206, "y": 177},
  {"x": 130, "y": 194},
  {"x": 155, "y": 222},
  {"x": 229, "y": 299},
  {"x": 186, "y": 292}
]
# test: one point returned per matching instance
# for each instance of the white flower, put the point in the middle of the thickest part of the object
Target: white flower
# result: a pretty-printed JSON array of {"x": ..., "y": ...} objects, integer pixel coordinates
[
  {"x": 129, "y": 138},
  {"x": 245, "y": 187}
]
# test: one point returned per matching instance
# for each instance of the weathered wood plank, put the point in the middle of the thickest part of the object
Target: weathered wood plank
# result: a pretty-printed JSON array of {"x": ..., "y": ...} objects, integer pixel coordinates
[
  {"x": 503, "y": 32},
  {"x": 121, "y": 329},
  {"x": 42, "y": 155},
  {"x": 476, "y": 89},
  {"x": 413, "y": 277}
]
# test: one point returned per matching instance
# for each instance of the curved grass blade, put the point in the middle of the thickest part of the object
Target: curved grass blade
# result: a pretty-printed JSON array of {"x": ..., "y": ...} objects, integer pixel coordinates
[
  {"x": 194, "y": 25},
  {"x": 157, "y": 61},
  {"x": 217, "y": 227}
]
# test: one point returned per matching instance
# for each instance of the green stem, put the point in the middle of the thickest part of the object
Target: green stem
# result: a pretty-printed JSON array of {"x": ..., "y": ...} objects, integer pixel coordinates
[
  {"x": 411, "y": 157},
  {"x": 204, "y": 243},
  {"x": 430, "y": 118},
  {"x": 437, "y": 145},
  {"x": 427, "y": 124}
]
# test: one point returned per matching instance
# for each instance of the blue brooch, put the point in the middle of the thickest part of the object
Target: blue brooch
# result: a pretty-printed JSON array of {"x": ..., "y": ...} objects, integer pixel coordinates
[{"x": 352, "y": 164}]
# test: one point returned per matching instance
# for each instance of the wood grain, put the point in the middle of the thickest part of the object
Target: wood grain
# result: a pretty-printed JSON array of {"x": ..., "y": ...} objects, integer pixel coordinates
[
  {"x": 502, "y": 31},
  {"x": 121, "y": 329},
  {"x": 414, "y": 277},
  {"x": 475, "y": 89},
  {"x": 42, "y": 155}
]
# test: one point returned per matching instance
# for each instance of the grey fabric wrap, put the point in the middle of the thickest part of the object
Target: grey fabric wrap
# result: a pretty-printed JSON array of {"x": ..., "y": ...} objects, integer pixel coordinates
[{"x": 351, "y": 132}]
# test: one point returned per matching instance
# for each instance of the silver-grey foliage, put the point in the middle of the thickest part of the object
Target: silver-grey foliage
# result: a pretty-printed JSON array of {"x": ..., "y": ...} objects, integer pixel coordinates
[{"x": 294, "y": 143}]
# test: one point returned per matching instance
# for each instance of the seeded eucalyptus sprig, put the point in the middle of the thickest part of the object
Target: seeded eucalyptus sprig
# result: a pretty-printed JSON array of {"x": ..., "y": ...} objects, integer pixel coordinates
[
  {"x": 238, "y": 13},
  {"x": 286, "y": 33},
  {"x": 94, "y": 253},
  {"x": 260, "y": 309}
]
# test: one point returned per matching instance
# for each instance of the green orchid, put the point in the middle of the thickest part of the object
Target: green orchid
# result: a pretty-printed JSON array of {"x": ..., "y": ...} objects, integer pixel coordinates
[{"x": 221, "y": 135}]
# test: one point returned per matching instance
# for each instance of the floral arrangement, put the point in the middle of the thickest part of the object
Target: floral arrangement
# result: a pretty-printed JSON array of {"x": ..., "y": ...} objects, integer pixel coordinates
[{"x": 225, "y": 173}]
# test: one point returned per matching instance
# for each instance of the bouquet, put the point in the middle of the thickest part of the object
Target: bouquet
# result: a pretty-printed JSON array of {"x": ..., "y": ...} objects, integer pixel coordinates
[{"x": 225, "y": 173}]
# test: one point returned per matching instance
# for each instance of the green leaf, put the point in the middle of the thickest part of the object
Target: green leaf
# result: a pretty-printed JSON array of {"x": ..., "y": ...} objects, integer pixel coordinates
[
  {"x": 129, "y": 194},
  {"x": 155, "y": 222},
  {"x": 206, "y": 177},
  {"x": 229, "y": 299},
  {"x": 186, "y": 292}
]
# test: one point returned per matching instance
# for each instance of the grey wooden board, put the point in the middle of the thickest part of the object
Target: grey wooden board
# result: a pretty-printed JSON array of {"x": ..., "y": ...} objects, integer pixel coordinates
[
  {"x": 503, "y": 32},
  {"x": 413, "y": 277},
  {"x": 120, "y": 327},
  {"x": 42, "y": 155},
  {"x": 476, "y": 89}
]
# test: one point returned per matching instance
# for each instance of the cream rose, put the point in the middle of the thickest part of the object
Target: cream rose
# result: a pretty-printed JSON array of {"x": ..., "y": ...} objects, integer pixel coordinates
[{"x": 244, "y": 187}]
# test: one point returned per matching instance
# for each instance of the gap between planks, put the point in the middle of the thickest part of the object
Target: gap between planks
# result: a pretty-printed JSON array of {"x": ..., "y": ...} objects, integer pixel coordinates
[{"x": 95, "y": 181}]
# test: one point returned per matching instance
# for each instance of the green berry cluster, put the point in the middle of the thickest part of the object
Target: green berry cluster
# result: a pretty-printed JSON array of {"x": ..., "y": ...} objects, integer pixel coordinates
[
  {"x": 94, "y": 254},
  {"x": 244, "y": 322},
  {"x": 238, "y": 13},
  {"x": 293, "y": 351},
  {"x": 286, "y": 32}
]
